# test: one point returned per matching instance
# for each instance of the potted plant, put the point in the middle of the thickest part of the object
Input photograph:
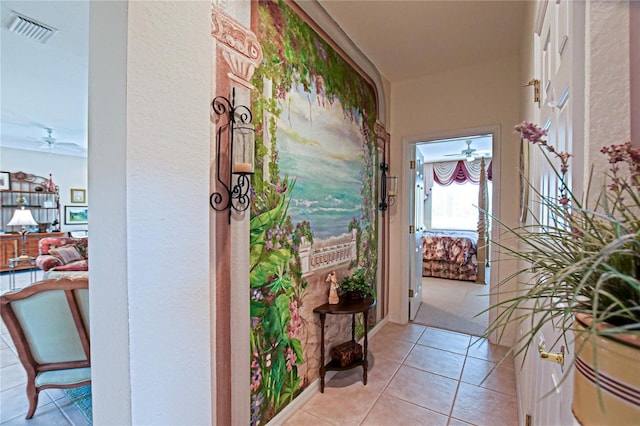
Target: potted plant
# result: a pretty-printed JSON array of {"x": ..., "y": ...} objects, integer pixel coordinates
[
  {"x": 582, "y": 269},
  {"x": 356, "y": 285}
]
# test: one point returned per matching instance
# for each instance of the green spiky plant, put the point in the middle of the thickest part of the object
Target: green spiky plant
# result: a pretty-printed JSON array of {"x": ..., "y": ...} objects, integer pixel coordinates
[{"x": 585, "y": 260}]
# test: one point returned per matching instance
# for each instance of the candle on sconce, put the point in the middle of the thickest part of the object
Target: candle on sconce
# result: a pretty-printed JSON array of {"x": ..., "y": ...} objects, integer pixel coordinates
[
  {"x": 392, "y": 186},
  {"x": 243, "y": 168}
]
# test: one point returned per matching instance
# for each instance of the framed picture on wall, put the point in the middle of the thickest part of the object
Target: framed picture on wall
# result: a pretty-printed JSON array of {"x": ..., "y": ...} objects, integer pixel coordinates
[
  {"x": 78, "y": 196},
  {"x": 76, "y": 215},
  {"x": 5, "y": 183}
]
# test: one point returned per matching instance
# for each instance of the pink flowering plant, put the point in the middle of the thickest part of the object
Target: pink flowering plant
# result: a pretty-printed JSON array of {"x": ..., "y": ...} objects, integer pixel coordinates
[{"x": 584, "y": 260}]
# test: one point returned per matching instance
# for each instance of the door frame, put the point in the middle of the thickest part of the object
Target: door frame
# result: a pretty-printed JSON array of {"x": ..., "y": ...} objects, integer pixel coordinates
[{"x": 407, "y": 197}]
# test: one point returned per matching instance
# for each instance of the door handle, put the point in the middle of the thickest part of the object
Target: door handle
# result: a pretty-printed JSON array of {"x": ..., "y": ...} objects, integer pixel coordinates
[{"x": 536, "y": 89}]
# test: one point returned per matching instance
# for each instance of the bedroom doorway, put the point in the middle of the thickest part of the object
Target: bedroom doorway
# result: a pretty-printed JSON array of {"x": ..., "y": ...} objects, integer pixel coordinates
[{"x": 455, "y": 203}]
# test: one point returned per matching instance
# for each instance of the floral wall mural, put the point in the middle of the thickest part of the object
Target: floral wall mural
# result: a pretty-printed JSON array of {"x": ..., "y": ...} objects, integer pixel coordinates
[{"x": 314, "y": 206}]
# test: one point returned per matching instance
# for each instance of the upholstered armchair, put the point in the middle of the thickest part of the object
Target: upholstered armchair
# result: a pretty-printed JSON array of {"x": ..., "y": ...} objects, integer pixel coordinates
[
  {"x": 63, "y": 254},
  {"x": 49, "y": 324}
]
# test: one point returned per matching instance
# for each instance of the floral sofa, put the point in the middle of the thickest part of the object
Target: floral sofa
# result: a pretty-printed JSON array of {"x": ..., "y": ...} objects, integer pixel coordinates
[
  {"x": 450, "y": 254},
  {"x": 63, "y": 254}
]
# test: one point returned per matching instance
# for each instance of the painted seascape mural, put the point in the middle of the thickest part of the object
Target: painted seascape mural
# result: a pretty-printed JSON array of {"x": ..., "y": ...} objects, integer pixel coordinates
[{"x": 314, "y": 203}]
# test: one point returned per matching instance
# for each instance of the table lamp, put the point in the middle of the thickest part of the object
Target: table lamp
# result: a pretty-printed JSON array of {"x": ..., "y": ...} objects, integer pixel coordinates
[{"x": 23, "y": 217}]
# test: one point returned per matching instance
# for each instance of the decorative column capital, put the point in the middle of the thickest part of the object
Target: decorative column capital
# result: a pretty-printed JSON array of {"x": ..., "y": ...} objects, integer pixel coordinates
[{"x": 239, "y": 45}]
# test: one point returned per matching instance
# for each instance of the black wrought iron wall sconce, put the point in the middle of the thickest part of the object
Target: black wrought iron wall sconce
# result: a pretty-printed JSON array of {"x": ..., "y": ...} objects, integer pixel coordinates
[
  {"x": 388, "y": 188},
  {"x": 241, "y": 139}
]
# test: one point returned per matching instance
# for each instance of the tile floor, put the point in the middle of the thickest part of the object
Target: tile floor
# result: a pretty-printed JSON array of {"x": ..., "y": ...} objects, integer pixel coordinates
[
  {"x": 419, "y": 375},
  {"x": 54, "y": 408}
]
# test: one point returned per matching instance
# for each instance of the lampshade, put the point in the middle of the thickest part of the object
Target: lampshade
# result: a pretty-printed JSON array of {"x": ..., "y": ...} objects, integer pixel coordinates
[{"x": 22, "y": 217}]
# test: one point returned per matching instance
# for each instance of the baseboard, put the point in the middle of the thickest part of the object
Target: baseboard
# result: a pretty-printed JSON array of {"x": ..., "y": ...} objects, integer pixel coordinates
[{"x": 314, "y": 387}]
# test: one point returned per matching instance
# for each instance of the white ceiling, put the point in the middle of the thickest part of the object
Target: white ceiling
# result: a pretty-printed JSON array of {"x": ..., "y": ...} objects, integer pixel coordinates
[
  {"x": 411, "y": 39},
  {"x": 45, "y": 85},
  {"x": 451, "y": 149}
]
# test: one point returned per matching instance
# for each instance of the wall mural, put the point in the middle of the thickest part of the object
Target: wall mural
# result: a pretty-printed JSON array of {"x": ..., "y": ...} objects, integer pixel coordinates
[{"x": 314, "y": 206}]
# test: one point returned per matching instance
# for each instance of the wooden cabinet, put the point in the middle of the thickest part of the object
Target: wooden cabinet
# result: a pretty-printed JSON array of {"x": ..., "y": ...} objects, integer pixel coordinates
[{"x": 11, "y": 246}]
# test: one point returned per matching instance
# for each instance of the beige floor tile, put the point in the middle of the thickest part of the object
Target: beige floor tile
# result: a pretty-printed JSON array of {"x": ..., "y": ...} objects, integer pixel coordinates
[
  {"x": 302, "y": 418},
  {"x": 456, "y": 422},
  {"x": 55, "y": 394},
  {"x": 393, "y": 411},
  {"x": 446, "y": 340},
  {"x": 8, "y": 357},
  {"x": 12, "y": 375},
  {"x": 389, "y": 348},
  {"x": 422, "y": 388},
  {"x": 483, "y": 349},
  {"x": 5, "y": 342},
  {"x": 14, "y": 403},
  {"x": 436, "y": 361},
  {"x": 409, "y": 332},
  {"x": 502, "y": 378},
  {"x": 72, "y": 412},
  {"x": 48, "y": 415},
  {"x": 485, "y": 407},
  {"x": 379, "y": 374},
  {"x": 342, "y": 406}
]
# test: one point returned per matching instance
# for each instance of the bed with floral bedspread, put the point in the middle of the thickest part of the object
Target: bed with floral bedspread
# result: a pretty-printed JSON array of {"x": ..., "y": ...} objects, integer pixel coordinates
[{"x": 450, "y": 254}]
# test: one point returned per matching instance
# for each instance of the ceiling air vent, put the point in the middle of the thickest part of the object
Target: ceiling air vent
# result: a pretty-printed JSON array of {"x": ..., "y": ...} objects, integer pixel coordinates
[{"x": 31, "y": 28}]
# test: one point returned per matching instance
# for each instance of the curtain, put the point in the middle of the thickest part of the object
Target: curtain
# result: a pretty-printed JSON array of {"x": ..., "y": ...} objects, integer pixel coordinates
[
  {"x": 447, "y": 172},
  {"x": 428, "y": 184}
]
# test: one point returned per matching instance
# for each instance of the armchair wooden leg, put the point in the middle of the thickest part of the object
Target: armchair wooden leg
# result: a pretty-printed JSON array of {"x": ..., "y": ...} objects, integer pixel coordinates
[{"x": 32, "y": 396}]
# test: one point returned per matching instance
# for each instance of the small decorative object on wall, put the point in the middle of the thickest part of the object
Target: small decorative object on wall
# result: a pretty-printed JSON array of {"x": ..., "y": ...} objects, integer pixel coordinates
[
  {"x": 388, "y": 188},
  {"x": 241, "y": 153},
  {"x": 78, "y": 196},
  {"x": 5, "y": 183},
  {"x": 76, "y": 215},
  {"x": 333, "y": 290}
]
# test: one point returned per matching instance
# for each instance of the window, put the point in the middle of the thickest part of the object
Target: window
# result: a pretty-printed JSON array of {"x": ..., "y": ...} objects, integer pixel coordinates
[{"x": 456, "y": 206}]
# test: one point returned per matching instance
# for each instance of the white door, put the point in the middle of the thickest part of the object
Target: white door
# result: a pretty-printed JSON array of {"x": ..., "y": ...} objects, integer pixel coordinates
[
  {"x": 415, "y": 233},
  {"x": 560, "y": 68}
]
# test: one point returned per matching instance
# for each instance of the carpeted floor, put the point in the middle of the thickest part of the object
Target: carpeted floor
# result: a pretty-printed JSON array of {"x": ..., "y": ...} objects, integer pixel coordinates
[
  {"x": 452, "y": 305},
  {"x": 81, "y": 398}
]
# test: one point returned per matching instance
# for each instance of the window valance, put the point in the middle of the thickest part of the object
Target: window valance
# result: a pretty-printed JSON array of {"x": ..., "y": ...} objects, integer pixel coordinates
[{"x": 447, "y": 172}]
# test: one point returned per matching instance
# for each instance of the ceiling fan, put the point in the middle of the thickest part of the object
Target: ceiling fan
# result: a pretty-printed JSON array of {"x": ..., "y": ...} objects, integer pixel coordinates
[
  {"x": 50, "y": 143},
  {"x": 468, "y": 152}
]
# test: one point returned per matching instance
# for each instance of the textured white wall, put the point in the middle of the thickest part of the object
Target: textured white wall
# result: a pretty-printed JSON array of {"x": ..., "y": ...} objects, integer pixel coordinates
[
  {"x": 608, "y": 79},
  {"x": 150, "y": 82},
  {"x": 477, "y": 96}
]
